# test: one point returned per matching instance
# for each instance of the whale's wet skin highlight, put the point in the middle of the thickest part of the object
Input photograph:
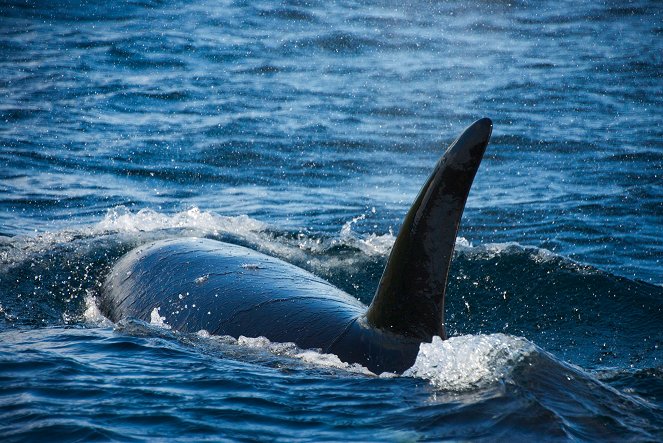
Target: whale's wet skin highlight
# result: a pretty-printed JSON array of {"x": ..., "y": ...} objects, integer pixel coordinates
[{"x": 304, "y": 131}]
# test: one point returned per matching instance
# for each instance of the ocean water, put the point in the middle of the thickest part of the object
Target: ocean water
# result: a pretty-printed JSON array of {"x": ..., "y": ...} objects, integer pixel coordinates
[{"x": 304, "y": 130}]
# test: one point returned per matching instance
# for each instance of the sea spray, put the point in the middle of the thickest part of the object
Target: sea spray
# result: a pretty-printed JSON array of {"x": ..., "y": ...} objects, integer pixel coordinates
[{"x": 469, "y": 361}]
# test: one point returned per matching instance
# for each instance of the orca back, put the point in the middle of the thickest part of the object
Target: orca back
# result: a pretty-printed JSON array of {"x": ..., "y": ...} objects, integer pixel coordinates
[{"x": 201, "y": 284}]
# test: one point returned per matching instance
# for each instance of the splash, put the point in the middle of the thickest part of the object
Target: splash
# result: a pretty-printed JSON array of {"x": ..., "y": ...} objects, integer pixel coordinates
[
  {"x": 92, "y": 315},
  {"x": 157, "y": 320},
  {"x": 470, "y": 361},
  {"x": 120, "y": 226},
  {"x": 457, "y": 364},
  {"x": 371, "y": 244},
  {"x": 120, "y": 219}
]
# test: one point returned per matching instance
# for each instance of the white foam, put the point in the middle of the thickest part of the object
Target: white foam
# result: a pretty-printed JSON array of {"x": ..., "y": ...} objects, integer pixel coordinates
[
  {"x": 469, "y": 361},
  {"x": 308, "y": 356},
  {"x": 157, "y": 320},
  {"x": 254, "y": 342},
  {"x": 329, "y": 361},
  {"x": 457, "y": 364},
  {"x": 148, "y": 224},
  {"x": 92, "y": 314},
  {"x": 120, "y": 219},
  {"x": 463, "y": 244},
  {"x": 371, "y": 244}
]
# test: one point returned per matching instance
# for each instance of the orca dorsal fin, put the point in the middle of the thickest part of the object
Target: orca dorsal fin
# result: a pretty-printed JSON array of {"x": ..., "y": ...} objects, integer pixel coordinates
[{"x": 410, "y": 297}]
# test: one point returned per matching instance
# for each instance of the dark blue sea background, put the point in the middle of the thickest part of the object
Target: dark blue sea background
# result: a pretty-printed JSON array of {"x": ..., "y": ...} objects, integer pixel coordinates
[{"x": 304, "y": 130}]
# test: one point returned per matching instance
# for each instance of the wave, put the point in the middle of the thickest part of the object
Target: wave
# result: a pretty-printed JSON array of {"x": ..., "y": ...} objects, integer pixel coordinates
[
  {"x": 515, "y": 313},
  {"x": 457, "y": 364},
  {"x": 477, "y": 368},
  {"x": 581, "y": 313}
]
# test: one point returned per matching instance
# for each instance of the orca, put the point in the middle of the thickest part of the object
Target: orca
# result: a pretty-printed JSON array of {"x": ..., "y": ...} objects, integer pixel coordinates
[{"x": 202, "y": 284}]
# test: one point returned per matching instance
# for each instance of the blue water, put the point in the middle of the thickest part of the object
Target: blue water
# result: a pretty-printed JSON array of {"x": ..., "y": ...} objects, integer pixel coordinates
[{"x": 304, "y": 130}]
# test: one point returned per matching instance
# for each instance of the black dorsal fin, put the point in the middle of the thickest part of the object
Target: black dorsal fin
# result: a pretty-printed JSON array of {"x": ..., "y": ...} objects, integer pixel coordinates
[{"x": 410, "y": 298}]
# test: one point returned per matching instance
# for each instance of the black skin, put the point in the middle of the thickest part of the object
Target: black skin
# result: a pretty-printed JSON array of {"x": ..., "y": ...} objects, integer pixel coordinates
[{"x": 202, "y": 284}]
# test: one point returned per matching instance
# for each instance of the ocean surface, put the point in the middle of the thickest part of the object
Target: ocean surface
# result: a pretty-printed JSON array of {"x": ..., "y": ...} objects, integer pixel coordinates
[{"x": 304, "y": 130}]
